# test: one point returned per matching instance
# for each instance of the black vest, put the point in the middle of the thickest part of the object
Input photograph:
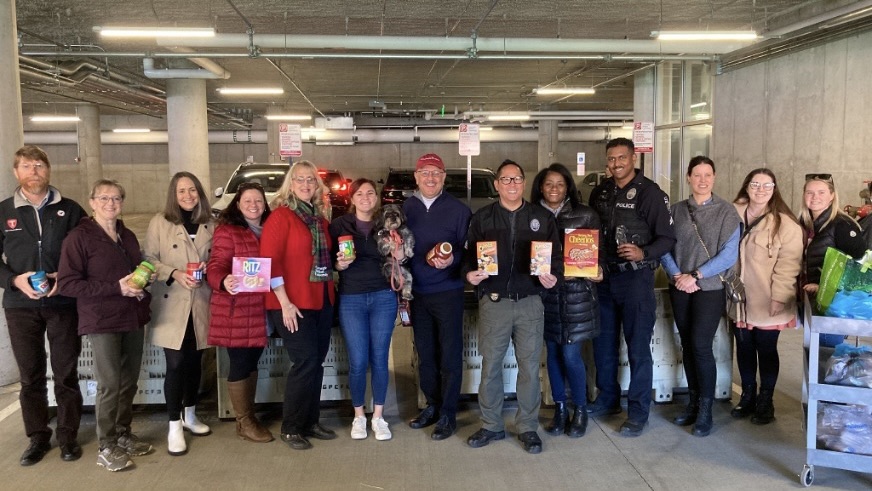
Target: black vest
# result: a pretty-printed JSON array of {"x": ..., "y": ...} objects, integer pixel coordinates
[{"x": 620, "y": 207}]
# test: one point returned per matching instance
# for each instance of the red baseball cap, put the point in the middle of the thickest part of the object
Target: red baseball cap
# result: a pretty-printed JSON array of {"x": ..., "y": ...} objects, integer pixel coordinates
[{"x": 430, "y": 159}]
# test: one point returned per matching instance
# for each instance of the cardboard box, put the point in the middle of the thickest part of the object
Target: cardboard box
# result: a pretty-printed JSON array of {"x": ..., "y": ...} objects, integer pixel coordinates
[
  {"x": 540, "y": 257},
  {"x": 252, "y": 273},
  {"x": 580, "y": 253},
  {"x": 486, "y": 252}
]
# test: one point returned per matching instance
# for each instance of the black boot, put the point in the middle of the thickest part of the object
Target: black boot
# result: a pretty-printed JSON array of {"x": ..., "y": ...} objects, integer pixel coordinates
[
  {"x": 747, "y": 403},
  {"x": 578, "y": 424},
  {"x": 765, "y": 411},
  {"x": 558, "y": 423},
  {"x": 703, "y": 424},
  {"x": 688, "y": 417}
]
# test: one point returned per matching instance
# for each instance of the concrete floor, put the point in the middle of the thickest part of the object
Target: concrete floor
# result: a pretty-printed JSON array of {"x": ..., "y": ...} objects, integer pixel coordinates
[{"x": 737, "y": 455}]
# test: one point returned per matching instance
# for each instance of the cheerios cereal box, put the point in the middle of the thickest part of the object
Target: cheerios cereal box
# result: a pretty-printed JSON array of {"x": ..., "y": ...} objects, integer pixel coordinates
[{"x": 580, "y": 253}]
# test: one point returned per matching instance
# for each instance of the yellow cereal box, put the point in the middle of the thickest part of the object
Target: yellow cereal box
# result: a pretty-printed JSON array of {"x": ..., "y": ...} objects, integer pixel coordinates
[
  {"x": 486, "y": 252},
  {"x": 540, "y": 258},
  {"x": 580, "y": 253}
]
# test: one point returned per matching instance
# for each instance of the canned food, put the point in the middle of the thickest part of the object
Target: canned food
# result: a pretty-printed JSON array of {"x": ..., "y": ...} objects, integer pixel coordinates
[
  {"x": 195, "y": 272},
  {"x": 441, "y": 251},
  {"x": 141, "y": 275},
  {"x": 39, "y": 282},
  {"x": 346, "y": 246}
]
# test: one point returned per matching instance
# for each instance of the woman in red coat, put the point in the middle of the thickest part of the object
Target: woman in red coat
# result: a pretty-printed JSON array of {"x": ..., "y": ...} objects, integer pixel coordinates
[
  {"x": 238, "y": 320},
  {"x": 301, "y": 303}
]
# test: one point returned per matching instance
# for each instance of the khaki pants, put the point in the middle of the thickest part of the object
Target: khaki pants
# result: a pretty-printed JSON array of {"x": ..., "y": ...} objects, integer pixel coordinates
[{"x": 117, "y": 358}]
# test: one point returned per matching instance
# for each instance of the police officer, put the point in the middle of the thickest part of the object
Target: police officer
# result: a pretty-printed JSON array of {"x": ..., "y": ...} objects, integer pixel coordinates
[{"x": 636, "y": 230}]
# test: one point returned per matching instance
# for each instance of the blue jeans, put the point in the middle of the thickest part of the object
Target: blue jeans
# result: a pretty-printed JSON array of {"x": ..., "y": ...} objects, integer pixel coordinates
[
  {"x": 627, "y": 304},
  {"x": 367, "y": 321},
  {"x": 564, "y": 361}
]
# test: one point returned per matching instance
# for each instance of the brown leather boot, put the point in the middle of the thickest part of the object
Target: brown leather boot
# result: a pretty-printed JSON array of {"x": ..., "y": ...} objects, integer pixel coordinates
[{"x": 247, "y": 426}]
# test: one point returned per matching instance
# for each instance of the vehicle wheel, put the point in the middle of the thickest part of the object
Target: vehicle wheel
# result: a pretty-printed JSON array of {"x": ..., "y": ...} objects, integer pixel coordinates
[{"x": 807, "y": 476}]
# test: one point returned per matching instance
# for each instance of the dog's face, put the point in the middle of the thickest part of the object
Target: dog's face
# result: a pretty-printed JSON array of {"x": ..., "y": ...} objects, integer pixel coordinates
[{"x": 392, "y": 217}]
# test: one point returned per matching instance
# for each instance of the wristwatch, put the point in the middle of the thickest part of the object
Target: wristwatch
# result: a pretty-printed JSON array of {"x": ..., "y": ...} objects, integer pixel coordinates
[{"x": 695, "y": 274}]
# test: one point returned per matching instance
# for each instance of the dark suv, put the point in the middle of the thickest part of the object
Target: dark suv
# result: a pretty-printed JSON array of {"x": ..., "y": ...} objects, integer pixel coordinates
[
  {"x": 271, "y": 177},
  {"x": 400, "y": 184}
]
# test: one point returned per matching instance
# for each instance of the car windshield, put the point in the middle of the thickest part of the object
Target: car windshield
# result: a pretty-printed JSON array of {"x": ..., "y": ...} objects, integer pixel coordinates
[
  {"x": 270, "y": 179},
  {"x": 401, "y": 180},
  {"x": 482, "y": 185}
]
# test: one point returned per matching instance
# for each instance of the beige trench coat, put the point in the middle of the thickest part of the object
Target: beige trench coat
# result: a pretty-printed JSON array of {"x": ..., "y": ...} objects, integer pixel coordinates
[{"x": 168, "y": 247}]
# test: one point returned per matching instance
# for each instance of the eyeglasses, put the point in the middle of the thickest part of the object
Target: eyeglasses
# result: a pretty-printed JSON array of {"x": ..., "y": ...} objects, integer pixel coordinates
[
  {"x": 429, "y": 173},
  {"x": 768, "y": 186},
  {"x": 305, "y": 180},
  {"x": 106, "y": 199},
  {"x": 39, "y": 166},
  {"x": 508, "y": 180},
  {"x": 245, "y": 186},
  {"x": 819, "y": 177}
]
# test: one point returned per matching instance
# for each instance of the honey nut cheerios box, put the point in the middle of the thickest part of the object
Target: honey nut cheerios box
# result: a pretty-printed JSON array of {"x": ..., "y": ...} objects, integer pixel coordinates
[{"x": 580, "y": 253}]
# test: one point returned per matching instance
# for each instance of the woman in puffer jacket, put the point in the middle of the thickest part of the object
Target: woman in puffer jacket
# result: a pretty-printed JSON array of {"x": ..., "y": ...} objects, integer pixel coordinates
[{"x": 571, "y": 309}]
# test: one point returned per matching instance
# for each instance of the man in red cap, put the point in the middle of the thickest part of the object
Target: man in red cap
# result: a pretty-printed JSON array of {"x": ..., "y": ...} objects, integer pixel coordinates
[{"x": 435, "y": 216}]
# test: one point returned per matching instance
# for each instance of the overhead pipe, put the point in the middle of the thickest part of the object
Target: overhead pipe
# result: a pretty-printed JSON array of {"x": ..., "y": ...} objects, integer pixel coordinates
[
  {"x": 150, "y": 71},
  {"x": 424, "y": 135},
  {"x": 204, "y": 63}
]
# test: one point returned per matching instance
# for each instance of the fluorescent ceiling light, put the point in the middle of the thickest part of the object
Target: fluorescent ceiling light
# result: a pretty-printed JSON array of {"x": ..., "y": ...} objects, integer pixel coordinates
[
  {"x": 509, "y": 117},
  {"x": 54, "y": 119},
  {"x": 251, "y": 91},
  {"x": 131, "y": 130},
  {"x": 702, "y": 116},
  {"x": 289, "y": 117},
  {"x": 698, "y": 104},
  {"x": 156, "y": 32},
  {"x": 485, "y": 128},
  {"x": 627, "y": 126},
  {"x": 705, "y": 35},
  {"x": 564, "y": 91}
]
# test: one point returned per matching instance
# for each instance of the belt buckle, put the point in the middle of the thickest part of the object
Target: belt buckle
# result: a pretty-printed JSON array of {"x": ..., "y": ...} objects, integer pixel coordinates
[{"x": 494, "y": 297}]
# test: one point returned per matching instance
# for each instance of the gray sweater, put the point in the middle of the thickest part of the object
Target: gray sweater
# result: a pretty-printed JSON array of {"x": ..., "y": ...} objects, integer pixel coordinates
[{"x": 716, "y": 220}]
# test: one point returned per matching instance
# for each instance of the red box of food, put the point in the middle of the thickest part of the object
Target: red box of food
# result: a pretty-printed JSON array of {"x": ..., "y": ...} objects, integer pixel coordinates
[
  {"x": 580, "y": 253},
  {"x": 252, "y": 273}
]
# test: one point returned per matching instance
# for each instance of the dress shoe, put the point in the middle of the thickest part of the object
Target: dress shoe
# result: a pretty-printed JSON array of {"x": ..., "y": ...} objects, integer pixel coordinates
[
  {"x": 71, "y": 451},
  {"x": 427, "y": 417},
  {"x": 599, "y": 408},
  {"x": 633, "y": 428},
  {"x": 319, "y": 432},
  {"x": 35, "y": 452},
  {"x": 445, "y": 427},
  {"x": 532, "y": 442},
  {"x": 482, "y": 437},
  {"x": 296, "y": 441}
]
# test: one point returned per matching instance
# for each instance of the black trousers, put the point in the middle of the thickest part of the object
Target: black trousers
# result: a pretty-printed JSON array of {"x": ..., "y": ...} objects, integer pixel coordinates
[
  {"x": 307, "y": 349},
  {"x": 757, "y": 347},
  {"x": 182, "y": 385},
  {"x": 243, "y": 361},
  {"x": 437, "y": 322},
  {"x": 697, "y": 316},
  {"x": 28, "y": 329}
]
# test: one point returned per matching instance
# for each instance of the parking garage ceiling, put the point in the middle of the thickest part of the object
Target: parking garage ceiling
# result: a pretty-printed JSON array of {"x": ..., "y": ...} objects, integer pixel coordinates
[{"x": 360, "y": 58}]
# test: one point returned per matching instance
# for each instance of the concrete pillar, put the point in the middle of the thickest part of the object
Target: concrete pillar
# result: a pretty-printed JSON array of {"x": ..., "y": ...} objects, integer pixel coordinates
[
  {"x": 11, "y": 139},
  {"x": 88, "y": 134},
  {"x": 548, "y": 140},
  {"x": 187, "y": 128}
]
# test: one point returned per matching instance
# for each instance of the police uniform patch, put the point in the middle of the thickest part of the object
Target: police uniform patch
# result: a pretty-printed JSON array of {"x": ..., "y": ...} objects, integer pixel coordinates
[
  {"x": 534, "y": 225},
  {"x": 853, "y": 233},
  {"x": 61, "y": 213},
  {"x": 631, "y": 193}
]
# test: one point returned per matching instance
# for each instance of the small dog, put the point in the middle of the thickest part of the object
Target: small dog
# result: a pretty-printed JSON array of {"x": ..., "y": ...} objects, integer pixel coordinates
[{"x": 391, "y": 234}]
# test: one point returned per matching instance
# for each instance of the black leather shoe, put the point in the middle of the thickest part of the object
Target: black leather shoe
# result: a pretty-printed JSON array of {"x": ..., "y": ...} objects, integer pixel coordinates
[
  {"x": 482, "y": 437},
  {"x": 532, "y": 442},
  {"x": 445, "y": 427},
  {"x": 427, "y": 417},
  {"x": 296, "y": 441},
  {"x": 35, "y": 452},
  {"x": 320, "y": 432},
  {"x": 633, "y": 428},
  {"x": 71, "y": 451},
  {"x": 598, "y": 408}
]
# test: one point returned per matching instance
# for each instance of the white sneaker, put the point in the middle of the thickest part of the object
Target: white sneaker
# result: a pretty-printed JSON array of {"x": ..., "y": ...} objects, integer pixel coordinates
[
  {"x": 381, "y": 429},
  {"x": 358, "y": 428}
]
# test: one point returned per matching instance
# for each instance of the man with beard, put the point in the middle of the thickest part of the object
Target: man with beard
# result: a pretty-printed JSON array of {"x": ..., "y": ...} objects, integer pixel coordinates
[{"x": 35, "y": 220}]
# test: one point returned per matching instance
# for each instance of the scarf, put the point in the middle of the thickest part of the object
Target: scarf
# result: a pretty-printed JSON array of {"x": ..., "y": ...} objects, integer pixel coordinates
[{"x": 321, "y": 266}]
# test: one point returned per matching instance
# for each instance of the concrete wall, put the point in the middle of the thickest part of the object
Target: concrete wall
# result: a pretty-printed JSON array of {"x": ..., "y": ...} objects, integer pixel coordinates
[
  {"x": 810, "y": 111},
  {"x": 143, "y": 169}
]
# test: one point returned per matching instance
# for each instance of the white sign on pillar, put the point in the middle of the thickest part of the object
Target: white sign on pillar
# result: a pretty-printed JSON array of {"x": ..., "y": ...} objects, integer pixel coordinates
[
  {"x": 581, "y": 161},
  {"x": 469, "y": 139},
  {"x": 290, "y": 140},
  {"x": 643, "y": 136}
]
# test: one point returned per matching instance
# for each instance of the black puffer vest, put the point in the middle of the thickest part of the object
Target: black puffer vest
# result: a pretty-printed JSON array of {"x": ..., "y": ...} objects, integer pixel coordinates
[{"x": 571, "y": 309}]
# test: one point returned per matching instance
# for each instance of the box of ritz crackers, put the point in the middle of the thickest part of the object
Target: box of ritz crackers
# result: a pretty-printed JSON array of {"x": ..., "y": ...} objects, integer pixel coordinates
[{"x": 580, "y": 253}]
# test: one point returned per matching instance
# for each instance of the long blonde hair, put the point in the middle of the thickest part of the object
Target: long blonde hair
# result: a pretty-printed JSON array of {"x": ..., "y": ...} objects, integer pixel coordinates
[
  {"x": 285, "y": 195},
  {"x": 805, "y": 218}
]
